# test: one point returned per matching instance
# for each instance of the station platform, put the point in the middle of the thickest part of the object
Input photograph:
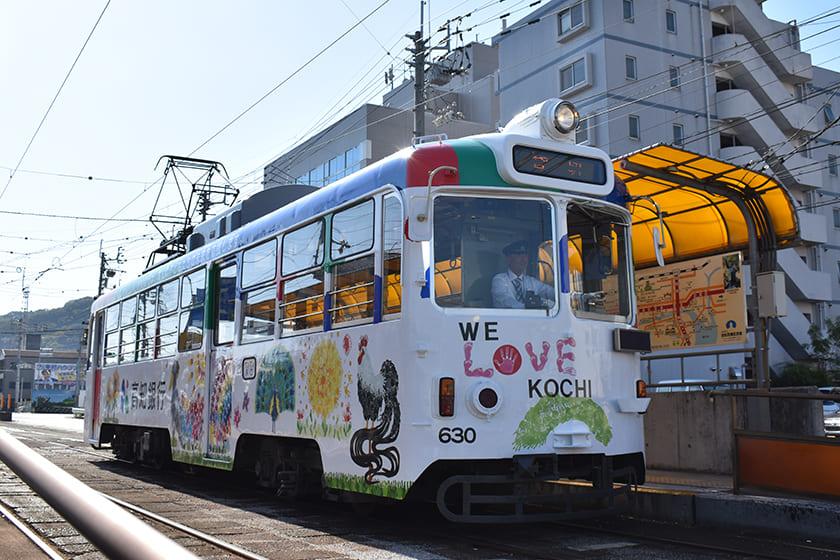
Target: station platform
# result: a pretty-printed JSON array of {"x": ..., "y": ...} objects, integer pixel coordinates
[{"x": 708, "y": 500}]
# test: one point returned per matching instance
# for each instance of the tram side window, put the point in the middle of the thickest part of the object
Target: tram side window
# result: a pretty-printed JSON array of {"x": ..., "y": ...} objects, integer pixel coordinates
[
  {"x": 225, "y": 312},
  {"x": 128, "y": 330},
  {"x": 599, "y": 270},
  {"x": 191, "y": 324},
  {"x": 302, "y": 306},
  {"x": 259, "y": 300},
  {"x": 146, "y": 304},
  {"x": 352, "y": 278},
  {"x": 392, "y": 234},
  {"x": 167, "y": 323},
  {"x": 493, "y": 253},
  {"x": 112, "y": 338}
]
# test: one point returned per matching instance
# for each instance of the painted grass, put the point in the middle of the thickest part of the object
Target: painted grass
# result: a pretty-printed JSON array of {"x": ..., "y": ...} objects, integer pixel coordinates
[
  {"x": 323, "y": 429},
  {"x": 544, "y": 416},
  {"x": 201, "y": 461},
  {"x": 393, "y": 489}
]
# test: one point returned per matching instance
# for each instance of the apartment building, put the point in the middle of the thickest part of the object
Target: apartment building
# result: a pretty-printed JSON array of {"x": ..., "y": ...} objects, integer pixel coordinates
[{"x": 717, "y": 77}]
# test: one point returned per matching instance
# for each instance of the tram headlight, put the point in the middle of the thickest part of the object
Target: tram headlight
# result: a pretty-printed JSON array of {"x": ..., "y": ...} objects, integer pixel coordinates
[
  {"x": 566, "y": 117},
  {"x": 641, "y": 389},
  {"x": 484, "y": 399}
]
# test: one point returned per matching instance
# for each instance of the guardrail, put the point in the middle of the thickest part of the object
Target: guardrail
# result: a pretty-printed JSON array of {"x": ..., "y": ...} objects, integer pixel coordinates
[
  {"x": 788, "y": 460},
  {"x": 114, "y": 531},
  {"x": 682, "y": 356}
]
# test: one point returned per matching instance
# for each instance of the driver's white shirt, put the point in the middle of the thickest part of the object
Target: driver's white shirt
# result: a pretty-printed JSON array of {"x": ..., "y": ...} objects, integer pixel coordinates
[{"x": 503, "y": 291}]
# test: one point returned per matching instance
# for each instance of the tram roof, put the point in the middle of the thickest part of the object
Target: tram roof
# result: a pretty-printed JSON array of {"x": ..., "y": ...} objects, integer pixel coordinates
[{"x": 695, "y": 194}]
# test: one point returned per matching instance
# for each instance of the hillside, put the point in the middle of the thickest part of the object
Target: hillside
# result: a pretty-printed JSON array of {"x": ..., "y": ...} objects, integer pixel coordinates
[{"x": 60, "y": 328}]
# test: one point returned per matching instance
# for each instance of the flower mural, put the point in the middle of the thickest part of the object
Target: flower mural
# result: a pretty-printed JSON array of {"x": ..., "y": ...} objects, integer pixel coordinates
[
  {"x": 187, "y": 407},
  {"x": 220, "y": 409},
  {"x": 275, "y": 385},
  {"x": 112, "y": 395},
  {"x": 322, "y": 414}
]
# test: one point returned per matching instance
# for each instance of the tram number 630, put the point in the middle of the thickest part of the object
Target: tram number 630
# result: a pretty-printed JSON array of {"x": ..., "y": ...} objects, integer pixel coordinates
[{"x": 456, "y": 435}]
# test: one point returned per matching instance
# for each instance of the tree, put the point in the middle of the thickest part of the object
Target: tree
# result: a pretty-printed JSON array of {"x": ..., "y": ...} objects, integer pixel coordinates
[{"x": 825, "y": 346}]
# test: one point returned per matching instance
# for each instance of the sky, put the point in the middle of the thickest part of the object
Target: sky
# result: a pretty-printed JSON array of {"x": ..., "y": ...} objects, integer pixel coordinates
[{"x": 159, "y": 78}]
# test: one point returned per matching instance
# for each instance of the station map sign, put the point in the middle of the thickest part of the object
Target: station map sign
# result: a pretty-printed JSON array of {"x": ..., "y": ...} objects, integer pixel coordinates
[{"x": 700, "y": 302}]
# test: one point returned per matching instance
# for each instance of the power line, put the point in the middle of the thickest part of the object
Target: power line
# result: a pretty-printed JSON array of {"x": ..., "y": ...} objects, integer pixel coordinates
[
  {"x": 57, "y": 93},
  {"x": 290, "y": 76}
]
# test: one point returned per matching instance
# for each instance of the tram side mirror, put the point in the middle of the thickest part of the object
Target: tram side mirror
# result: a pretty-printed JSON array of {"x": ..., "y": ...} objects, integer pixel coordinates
[
  {"x": 658, "y": 246},
  {"x": 419, "y": 216}
]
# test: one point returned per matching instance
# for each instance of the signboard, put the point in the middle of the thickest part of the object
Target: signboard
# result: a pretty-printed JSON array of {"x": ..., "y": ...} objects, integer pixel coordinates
[
  {"x": 55, "y": 383},
  {"x": 700, "y": 302}
]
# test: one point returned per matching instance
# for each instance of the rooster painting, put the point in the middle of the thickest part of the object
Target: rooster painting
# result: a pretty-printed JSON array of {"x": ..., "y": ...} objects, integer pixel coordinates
[{"x": 381, "y": 409}]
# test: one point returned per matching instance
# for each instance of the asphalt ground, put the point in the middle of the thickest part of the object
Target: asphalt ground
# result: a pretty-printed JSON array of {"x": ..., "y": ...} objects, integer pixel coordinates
[{"x": 216, "y": 503}]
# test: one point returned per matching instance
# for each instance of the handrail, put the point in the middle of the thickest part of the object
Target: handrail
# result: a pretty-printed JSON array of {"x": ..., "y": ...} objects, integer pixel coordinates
[
  {"x": 111, "y": 529},
  {"x": 771, "y": 394}
]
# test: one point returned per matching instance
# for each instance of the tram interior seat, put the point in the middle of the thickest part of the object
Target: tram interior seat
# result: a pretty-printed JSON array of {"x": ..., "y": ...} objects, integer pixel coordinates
[{"x": 489, "y": 263}]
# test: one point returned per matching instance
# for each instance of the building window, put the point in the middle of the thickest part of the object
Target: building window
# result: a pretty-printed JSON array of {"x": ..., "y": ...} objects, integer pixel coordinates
[
  {"x": 573, "y": 75},
  {"x": 582, "y": 132},
  {"x": 570, "y": 19},
  {"x": 832, "y": 165},
  {"x": 674, "y": 73},
  {"x": 837, "y": 217},
  {"x": 627, "y": 10},
  {"x": 670, "y": 21},
  {"x": 630, "y": 67},
  {"x": 799, "y": 92},
  {"x": 828, "y": 113},
  {"x": 633, "y": 124},
  {"x": 729, "y": 141},
  {"x": 679, "y": 134}
]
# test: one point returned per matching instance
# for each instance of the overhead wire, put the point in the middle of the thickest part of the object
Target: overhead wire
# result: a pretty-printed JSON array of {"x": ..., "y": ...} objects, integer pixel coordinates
[{"x": 54, "y": 99}]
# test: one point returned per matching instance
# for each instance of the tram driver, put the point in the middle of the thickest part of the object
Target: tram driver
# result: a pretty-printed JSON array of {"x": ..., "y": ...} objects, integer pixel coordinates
[{"x": 514, "y": 289}]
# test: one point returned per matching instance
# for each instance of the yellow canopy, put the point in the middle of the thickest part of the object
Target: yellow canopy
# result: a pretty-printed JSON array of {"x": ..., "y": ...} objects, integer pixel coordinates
[{"x": 695, "y": 194}]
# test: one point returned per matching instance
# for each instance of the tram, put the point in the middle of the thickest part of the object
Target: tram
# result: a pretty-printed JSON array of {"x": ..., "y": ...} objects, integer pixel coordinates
[{"x": 451, "y": 323}]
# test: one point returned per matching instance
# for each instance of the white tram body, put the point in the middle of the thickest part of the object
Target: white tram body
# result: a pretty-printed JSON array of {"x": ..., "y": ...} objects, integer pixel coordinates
[{"x": 365, "y": 337}]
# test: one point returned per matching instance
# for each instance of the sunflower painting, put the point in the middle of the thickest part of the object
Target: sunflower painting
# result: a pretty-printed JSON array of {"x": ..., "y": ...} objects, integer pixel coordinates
[{"x": 325, "y": 414}]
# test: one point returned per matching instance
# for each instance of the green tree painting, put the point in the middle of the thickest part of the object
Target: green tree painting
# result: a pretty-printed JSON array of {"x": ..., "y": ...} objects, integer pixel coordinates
[{"x": 275, "y": 384}]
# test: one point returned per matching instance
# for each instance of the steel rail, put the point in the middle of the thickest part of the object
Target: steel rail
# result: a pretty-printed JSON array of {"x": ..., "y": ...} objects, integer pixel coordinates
[
  {"x": 224, "y": 545},
  {"x": 30, "y": 534},
  {"x": 113, "y": 530}
]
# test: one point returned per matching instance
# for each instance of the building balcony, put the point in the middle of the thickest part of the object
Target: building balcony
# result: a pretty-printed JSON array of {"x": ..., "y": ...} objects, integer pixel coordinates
[
  {"x": 772, "y": 39},
  {"x": 812, "y": 227},
  {"x": 749, "y": 71},
  {"x": 755, "y": 128},
  {"x": 802, "y": 283},
  {"x": 740, "y": 155}
]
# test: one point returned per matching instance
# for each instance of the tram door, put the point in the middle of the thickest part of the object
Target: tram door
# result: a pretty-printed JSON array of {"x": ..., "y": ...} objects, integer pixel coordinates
[{"x": 220, "y": 365}]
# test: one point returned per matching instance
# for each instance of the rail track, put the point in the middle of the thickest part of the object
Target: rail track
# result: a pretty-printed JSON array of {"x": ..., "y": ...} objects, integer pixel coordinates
[{"x": 265, "y": 527}]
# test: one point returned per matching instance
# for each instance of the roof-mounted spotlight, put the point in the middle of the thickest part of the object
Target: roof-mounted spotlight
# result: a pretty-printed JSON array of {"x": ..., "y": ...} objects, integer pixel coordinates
[
  {"x": 566, "y": 117},
  {"x": 555, "y": 119}
]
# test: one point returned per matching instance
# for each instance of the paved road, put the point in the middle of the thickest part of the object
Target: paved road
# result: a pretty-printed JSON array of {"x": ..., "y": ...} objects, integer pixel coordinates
[{"x": 218, "y": 504}]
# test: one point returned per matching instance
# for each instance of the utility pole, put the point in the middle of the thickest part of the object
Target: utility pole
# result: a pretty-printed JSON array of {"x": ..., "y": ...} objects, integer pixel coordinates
[
  {"x": 419, "y": 54},
  {"x": 25, "y": 292},
  {"x": 105, "y": 270}
]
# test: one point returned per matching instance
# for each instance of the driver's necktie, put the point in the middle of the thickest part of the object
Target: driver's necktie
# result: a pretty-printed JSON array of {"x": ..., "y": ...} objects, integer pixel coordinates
[{"x": 517, "y": 285}]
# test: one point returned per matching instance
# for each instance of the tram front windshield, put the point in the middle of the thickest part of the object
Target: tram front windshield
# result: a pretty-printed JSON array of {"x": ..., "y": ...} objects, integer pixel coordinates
[
  {"x": 494, "y": 253},
  {"x": 500, "y": 253}
]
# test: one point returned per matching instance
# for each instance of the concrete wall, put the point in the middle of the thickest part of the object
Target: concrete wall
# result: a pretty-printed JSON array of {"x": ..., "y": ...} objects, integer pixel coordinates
[{"x": 690, "y": 431}]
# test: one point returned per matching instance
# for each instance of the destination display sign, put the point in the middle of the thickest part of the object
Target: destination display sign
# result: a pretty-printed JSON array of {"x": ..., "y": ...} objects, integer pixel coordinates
[{"x": 559, "y": 165}]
